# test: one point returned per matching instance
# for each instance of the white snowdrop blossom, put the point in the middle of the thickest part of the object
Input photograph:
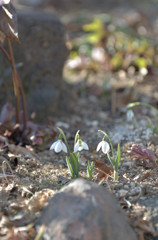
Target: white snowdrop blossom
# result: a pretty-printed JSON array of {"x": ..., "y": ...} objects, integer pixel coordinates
[
  {"x": 80, "y": 145},
  {"x": 104, "y": 146},
  {"x": 143, "y": 71},
  {"x": 59, "y": 146},
  {"x": 130, "y": 115}
]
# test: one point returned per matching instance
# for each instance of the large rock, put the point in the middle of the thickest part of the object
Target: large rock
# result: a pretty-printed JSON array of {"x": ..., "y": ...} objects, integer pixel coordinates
[
  {"x": 84, "y": 211},
  {"x": 42, "y": 52}
]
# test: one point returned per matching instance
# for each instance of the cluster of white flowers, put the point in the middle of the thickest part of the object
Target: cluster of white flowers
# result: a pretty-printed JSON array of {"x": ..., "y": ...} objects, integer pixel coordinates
[
  {"x": 80, "y": 145},
  {"x": 74, "y": 157}
]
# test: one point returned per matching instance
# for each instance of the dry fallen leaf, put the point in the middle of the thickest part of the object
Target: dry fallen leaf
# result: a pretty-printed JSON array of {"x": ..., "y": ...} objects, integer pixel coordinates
[
  {"x": 149, "y": 157},
  {"x": 103, "y": 170},
  {"x": 142, "y": 152}
]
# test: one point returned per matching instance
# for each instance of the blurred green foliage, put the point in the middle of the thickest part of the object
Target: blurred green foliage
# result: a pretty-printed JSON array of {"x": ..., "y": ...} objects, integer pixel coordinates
[{"x": 120, "y": 47}]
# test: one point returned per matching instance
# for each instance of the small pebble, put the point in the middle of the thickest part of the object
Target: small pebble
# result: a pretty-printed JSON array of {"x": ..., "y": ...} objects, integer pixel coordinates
[
  {"x": 62, "y": 124},
  {"x": 103, "y": 115},
  {"x": 93, "y": 123},
  {"x": 132, "y": 184},
  {"x": 130, "y": 127},
  {"x": 122, "y": 192},
  {"x": 118, "y": 185},
  {"x": 126, "y": 187},
  {"x": 127, "y": 164},
  {"x": 134, "y": 191}
]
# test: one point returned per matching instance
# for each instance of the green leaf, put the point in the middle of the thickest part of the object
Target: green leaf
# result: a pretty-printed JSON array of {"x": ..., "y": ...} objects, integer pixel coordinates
[
  {"x": 74, "y": 163},
  {"x": 70, "y": 168},
  {"x": 95, "y": 37},
  {"x": 117, "y": 60},
  {"x": 118, "y": 156},
  {"x": 141, "y": 62},
  {"x": 94, "y": 26},
  {"x": 76, "y": 136},
  {"x": 90, "y": 170},
  {"x": 111, "y": 160}
]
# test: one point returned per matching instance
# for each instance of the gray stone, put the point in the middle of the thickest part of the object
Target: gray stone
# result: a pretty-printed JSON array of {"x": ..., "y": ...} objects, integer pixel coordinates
[
  {"x": 84, "y": 210},
  {"x": 42, "y": 53},
  {"x": 151, "y": 210}
]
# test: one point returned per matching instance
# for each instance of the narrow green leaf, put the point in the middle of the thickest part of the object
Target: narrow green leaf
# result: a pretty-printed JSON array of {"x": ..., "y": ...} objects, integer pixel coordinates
[
  {"x": 111, "y": 160},
  {"x": 75, "y": 164},
  {"x": 118, "y": 156},
  {"x": 76, "y": 136},
  {"x": 70, "y": 168}
]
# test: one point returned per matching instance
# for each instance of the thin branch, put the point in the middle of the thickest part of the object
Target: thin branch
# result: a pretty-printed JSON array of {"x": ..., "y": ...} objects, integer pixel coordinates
[
  {"x": 20, "y": 87},
  {"x": 5, "y": 53},
  {"x": 15, "y": 81}
]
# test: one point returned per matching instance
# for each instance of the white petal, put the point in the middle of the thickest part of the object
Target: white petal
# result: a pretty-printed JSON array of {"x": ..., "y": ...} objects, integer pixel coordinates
[
  {"x": 76, "y": 147},
  {"x": 53, "y": 145},
  {"x": 84, "y": 145},
  {"x": 58, "y": 146},
  {"x": 80, "y": 148},
  {"x": 64, "y": 148},
  {"x": 130, "y": 115},
  {"x": 105, "y": 147},
  {"x": 99, "y": 146}
]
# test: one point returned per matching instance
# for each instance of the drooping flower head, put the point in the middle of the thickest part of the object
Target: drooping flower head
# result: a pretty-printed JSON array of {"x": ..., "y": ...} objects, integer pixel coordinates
[
  {"x": 59, "y": 145},
  {"x": 104, "y": 146},
  {"x": 79, "y": 144}
]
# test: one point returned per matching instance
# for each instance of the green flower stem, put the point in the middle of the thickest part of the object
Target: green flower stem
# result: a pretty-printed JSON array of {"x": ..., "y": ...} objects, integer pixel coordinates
[
  {"x": 62, "y": 133},
  {"x": 115, "y": 175},
  {"x": 134, "y": 104}
]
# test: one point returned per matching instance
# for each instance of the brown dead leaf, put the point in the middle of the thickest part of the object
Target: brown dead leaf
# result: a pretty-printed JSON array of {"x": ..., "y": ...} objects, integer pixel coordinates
[
  {"x": 103, "y": 170},
  {"x": 139, "y": 151}
]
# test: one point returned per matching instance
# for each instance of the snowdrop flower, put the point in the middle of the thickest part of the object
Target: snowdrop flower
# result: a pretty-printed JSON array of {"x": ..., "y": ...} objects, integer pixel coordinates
[
  {"x": 80, "y": 145},
  {"x": 59, "y": 146},
  {"x": 130, "y": 115},
  {"x": 104, "y": 146},
  {"x": 143, "y": 71}
]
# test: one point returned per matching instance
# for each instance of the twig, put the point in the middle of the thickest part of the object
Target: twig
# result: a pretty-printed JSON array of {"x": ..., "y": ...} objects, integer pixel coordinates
[
  {"x": 15, "y": 81},
  {"x": 20, "y": 87},
  {"x": 3, "y": 165}
]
